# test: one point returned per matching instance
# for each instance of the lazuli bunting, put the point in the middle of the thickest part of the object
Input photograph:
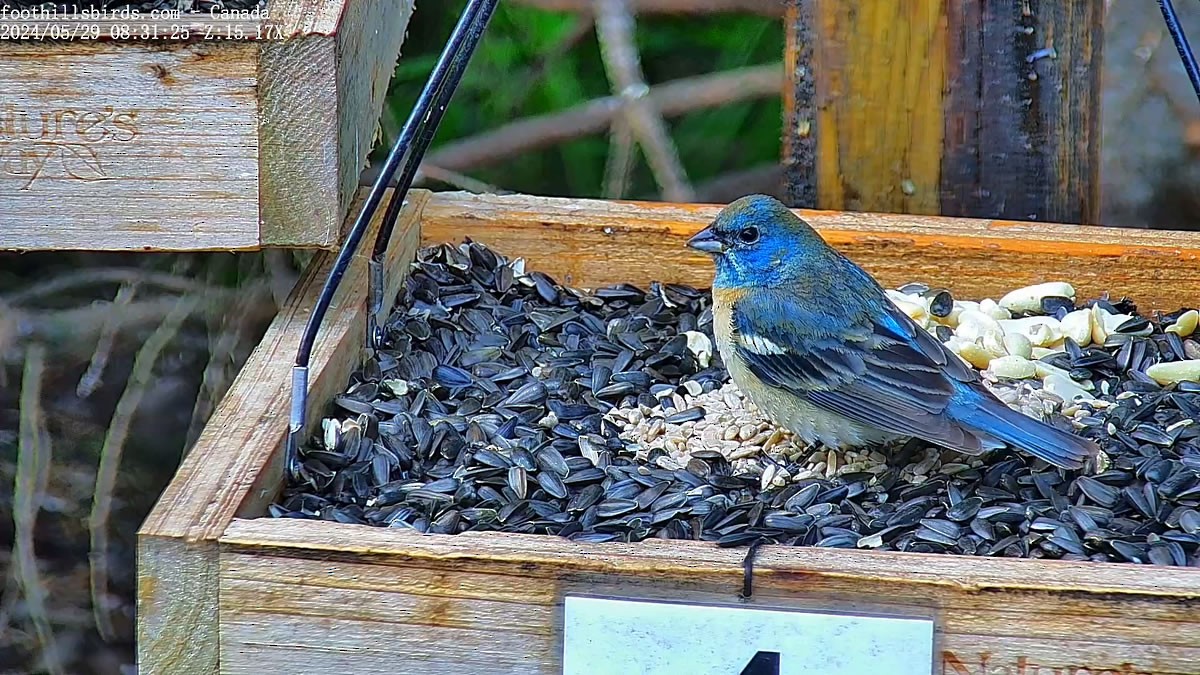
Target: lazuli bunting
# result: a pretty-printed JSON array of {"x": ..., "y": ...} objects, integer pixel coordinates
[{"x": 816, "y": 344}]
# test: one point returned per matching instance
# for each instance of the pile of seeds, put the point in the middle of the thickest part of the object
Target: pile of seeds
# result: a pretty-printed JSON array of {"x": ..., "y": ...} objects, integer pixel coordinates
[{"x": 505, "y": 401}]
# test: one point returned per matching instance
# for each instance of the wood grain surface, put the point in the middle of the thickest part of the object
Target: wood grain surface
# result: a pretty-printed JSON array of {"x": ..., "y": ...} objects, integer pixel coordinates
[
  {"x": 236, "y": 462},
  {"x": 196, "y": 145},
  {"x": 987, "y": 110},
  {"x": 593, "y": 242},
  {"x": 375, "y": 600},
  {"x": 322, "y": 95},
  {"x": 128, "y": 146}
]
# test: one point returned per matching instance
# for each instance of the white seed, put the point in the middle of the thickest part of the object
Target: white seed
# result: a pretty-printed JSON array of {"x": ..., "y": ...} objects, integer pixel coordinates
[
  {"x": 1012, "y": 367},
  {"x": 700, "y": 346},
  {"x": 776, "y": 438},
  {"x": 1175, "y": 371},
  {"x": 1044, "y": 370},
  {"x": 1040, "y": 330},
  {"x": 768, "y": 475},
  {"x": 1099, "y": 334},
  {"x": 693, "y": 387},
  {"x": 870, "y": 541},
  {"x": 975, "y": 355},
  {"x": 988, "y": 306},
  {"x": 332, "y": 432},
  {"x": 960, "y": 306},
  {"x": 1018, "y": 345},
  {"x": 994, "y": 343},
  {"x": 1065, "y": 388},
  {"x": 1185, "y": 325},
  {"x": 1113, "y": 321},
  {"x": 974, "y": 324},
  {"x": 911, "y": 305},
  {"x": 397, "y": 387},
  {"x": 1077, "y": 325},
  {"x": 1179, "y": 425},
  {"x": 743, "y": 452},
  {"x": 1029, "y": 298},
  {"x": 1040, "y": 353}
]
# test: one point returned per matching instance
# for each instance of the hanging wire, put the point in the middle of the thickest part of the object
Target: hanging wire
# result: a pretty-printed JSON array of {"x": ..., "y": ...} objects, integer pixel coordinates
[
  {"x": 408, "y": 149},
  {"x": 1181, "y": 44},
  {"x": 462, "y": 45}
]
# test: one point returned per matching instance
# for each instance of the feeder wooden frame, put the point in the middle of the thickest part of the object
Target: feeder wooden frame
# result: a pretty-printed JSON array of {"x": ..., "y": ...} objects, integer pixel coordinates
[
  {"x": 221, "y": 589},
  {"x": 213, "y": 142}
]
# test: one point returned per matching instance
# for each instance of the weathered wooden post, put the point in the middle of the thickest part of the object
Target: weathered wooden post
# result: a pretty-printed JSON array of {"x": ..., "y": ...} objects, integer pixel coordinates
[{"x": 966, "y": 108}]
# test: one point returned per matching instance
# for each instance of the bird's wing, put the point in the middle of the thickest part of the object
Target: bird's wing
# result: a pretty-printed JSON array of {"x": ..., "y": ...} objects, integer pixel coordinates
[{"x": 883, "y": 371}]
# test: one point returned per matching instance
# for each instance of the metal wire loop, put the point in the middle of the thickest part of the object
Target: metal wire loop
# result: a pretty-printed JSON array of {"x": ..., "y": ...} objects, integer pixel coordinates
[{"x": 409, "y": 149}]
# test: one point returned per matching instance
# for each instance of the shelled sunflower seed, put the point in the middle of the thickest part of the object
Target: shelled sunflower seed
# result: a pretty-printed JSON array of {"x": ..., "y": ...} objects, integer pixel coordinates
[{"x": 505, "y": 401}]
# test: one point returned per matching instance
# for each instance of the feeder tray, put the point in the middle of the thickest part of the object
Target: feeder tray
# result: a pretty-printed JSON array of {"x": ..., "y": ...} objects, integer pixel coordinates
[
  {"x": 222, "y": 588},
  {"x": 195, "y": 133}
]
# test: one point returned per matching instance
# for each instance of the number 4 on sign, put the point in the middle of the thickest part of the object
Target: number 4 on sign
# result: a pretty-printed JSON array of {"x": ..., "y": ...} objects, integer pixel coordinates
[{"x": 603, "y": 636}]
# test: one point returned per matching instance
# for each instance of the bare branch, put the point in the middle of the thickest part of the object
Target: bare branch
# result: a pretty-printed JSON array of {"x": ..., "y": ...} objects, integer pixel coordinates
[
  {"x": 620, "y": 160},
  {"x": 763, "y": 7},
  {"x": 615, "y": 30},
  {"x": 764, "y": 179},
  {"x": 88, "y": 278},
  {"x": 33, "y": 466},
  {"x": 75, "y": 330},
  {"x": 94, "y": 374},
  {"x": 110, "y": 455},
  {"x": 458, "y": 180},
  {"x": 671, "y": 99}
]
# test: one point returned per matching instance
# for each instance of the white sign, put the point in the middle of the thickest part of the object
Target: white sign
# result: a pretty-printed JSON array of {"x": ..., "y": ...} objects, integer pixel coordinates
[{"x": 635, "y": 637}]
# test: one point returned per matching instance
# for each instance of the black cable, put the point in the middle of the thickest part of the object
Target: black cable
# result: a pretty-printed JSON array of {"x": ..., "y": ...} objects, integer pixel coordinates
[
  {"x": 433, "y": 118},
  {"x": 1181, "y": 44},
  {"x": 426, "y": 112},
  {"x": 747, "y": 591}
]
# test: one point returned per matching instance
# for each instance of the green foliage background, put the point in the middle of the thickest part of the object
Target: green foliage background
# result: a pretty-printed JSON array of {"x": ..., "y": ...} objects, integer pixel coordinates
[{"x": 524, "y": 66}]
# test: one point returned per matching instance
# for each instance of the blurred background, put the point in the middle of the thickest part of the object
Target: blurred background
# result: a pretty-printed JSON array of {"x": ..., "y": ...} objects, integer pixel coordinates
[{"x": 96, "y": 412}]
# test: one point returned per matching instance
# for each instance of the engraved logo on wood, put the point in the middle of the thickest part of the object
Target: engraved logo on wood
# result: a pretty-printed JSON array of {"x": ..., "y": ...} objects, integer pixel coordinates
[
  {"x": 986, "y": 663},
  {"x": 65, "y": 143}
]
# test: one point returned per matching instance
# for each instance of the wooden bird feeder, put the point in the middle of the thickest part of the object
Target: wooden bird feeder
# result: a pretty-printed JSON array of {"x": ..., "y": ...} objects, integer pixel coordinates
[
  {"x": 224, "y": 589},
  {"x": 196, "y": 132},
  {"x": 979, "y": 109}
]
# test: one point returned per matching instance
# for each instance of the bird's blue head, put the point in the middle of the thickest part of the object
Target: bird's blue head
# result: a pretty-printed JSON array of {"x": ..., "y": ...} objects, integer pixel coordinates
[{"x": 758, "y": 242}]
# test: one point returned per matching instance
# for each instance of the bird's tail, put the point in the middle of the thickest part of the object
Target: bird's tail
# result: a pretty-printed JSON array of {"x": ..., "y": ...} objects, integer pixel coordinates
[{"x": 990, "y": 418}]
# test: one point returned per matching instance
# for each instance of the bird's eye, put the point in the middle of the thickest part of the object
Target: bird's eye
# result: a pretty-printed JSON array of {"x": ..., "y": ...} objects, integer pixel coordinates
[{"x": 748, "y": 235}]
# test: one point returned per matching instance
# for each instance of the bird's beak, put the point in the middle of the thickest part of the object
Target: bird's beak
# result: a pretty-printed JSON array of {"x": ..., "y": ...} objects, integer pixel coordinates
[{"x": 706, "y": 241}]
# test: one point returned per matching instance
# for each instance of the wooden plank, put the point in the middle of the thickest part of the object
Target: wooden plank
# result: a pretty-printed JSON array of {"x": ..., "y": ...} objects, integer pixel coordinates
[
  {"x": 236, "y": 461},
  {"x": 592, "y": 242},
  {"x": 879, "y": 69},
  {"x": 342, "y": 64},
  {"x": 249, "y": 133},
  {"x": 368, "y": 46},
  {"x": 988, "y": 110},
  {"x": 128, "y": 146},
  {"x": 1023, "y": 111},
  {"x": 335, "y": 597}
]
